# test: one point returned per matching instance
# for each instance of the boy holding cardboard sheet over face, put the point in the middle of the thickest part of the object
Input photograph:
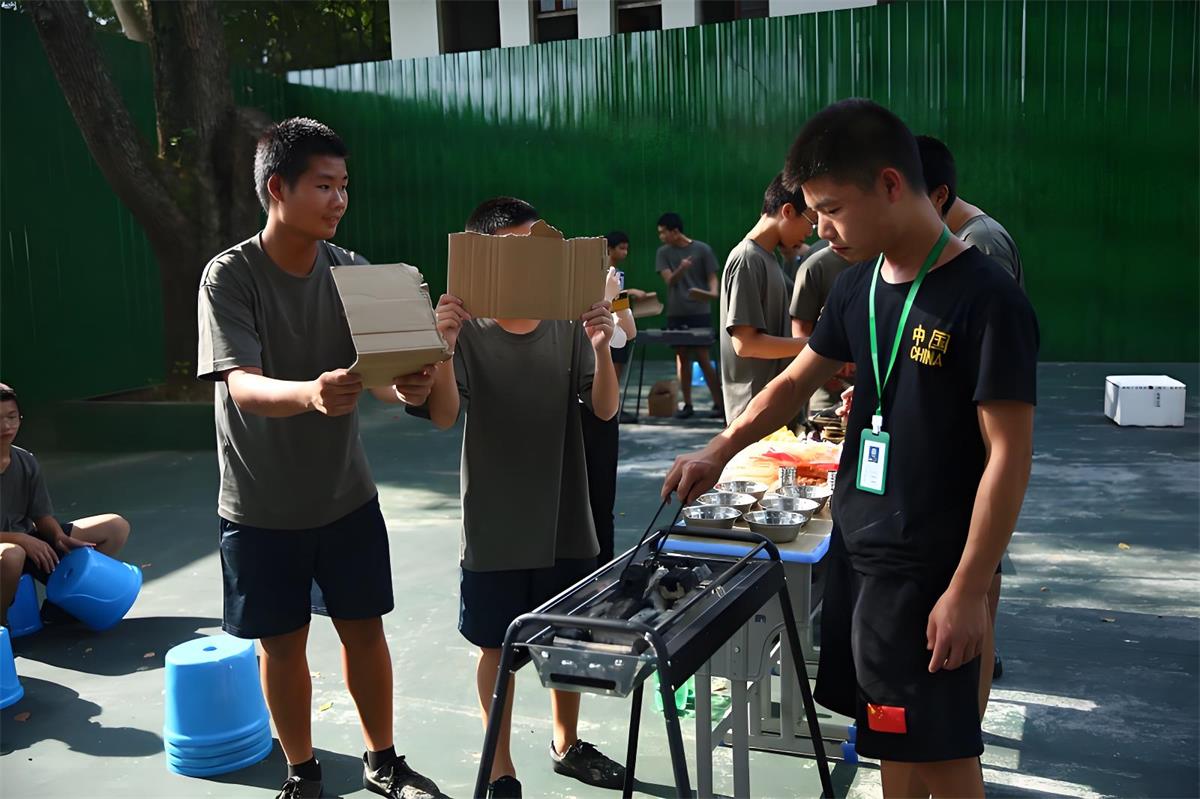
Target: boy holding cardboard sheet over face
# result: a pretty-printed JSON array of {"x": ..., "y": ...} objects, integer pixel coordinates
[{"x": 527, "y": 526}]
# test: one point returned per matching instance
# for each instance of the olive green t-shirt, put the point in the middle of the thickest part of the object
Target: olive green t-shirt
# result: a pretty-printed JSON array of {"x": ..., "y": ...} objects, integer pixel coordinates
[
  {"x": 753, "y": 294},
  {"x": 524, "y": 479},
  {"x": 288, "y": 473}
]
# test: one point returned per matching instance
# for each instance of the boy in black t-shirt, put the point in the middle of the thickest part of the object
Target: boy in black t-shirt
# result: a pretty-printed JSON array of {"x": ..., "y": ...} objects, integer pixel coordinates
[{"x": 945, "y": 449}]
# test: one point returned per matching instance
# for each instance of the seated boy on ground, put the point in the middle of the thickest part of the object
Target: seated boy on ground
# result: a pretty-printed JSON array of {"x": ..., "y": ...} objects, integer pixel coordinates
[{"x": 32, "y": 540}]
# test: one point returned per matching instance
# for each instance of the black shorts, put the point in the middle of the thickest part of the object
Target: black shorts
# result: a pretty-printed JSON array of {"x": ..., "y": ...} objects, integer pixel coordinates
[
  {"x": 875, "y": 668},
  {"x": 275, "y": 579},
  {"x": 689, "y": 321},
  {"x": 489, "y": 601},
  {"x": 621, "y": 354}
]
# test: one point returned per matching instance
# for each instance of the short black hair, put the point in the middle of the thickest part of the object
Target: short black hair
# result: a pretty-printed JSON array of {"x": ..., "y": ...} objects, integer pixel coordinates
[
  {"x": 617, "y": 238},
  {"x": 671, "y": 221},
  {"x": 285, "y": 148},
  {"x": 937, "y": 165},
  {"x": 499, "y": 213},
  {"x": 850, "y": 141},
  {"x": 8, "y": 395},
  {"x": 777, "y": 195}
]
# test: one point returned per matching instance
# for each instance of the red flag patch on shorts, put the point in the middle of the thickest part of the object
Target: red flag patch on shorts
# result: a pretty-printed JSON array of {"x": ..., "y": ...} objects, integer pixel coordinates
[{"x": 883, "y": 718}]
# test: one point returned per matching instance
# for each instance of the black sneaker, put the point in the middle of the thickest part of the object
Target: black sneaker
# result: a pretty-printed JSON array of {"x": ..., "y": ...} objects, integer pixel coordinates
[
  {"x": 300, "y": 788},
  {"x": 588, "y": 764},
  {"x": 717, "y": 413},
  {"x": 396, "y": 780},
  {"x": 505, "y": 788},
  {"x": 685, "y": 412},
  {"x": 997, "y": 667}
]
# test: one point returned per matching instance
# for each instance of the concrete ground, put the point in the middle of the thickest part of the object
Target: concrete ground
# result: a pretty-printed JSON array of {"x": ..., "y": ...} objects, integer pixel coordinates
[{"x": 1099, "y": 697}]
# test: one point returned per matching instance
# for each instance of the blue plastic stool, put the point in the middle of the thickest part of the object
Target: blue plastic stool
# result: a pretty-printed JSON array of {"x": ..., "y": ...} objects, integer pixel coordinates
[
  {"x": 11, "y": 689},
  {"x": 251, "y": 752},
  {"x": 213, "y": 696},
  {"x": 23, "y": 614},
  {"x": 697, "y": 375},
  {"x": 94, "y": 588}
]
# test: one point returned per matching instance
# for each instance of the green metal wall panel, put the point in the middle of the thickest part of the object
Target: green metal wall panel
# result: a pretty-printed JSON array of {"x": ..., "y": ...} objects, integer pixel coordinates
[
  {"x": 80, "y": 311},
  {"x": 1077, "y": 124}
]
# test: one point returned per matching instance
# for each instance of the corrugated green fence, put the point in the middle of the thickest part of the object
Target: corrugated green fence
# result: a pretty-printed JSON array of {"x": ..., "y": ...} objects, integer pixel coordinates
[{"x": 1076, "y": 124}]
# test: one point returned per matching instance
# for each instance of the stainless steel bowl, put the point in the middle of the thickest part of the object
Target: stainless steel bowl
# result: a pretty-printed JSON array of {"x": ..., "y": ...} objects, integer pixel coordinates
[
  {"x": 710, "y": 517},
  {"x": 751, "y": 487},
  {"x": 818, "y": 494},
  {"x": 780, "y": 526},
  {"x": 805, "y": 507},
  {"x": 728, "y": 499}
]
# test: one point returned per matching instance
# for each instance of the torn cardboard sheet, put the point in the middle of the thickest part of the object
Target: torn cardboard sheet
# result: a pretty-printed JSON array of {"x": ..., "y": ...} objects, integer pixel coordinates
[
  {"x": 646, "y": 305},
  {"x": 391, "y": 321},
  {"x": 539, "y": 276}
]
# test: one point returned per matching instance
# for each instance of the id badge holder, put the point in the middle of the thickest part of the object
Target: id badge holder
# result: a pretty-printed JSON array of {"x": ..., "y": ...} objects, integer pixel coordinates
[{"x": 872, "y": 460}]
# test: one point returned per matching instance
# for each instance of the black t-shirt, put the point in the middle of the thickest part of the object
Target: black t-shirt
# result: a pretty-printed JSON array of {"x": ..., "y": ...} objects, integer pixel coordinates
[{"x": 971, "y": 337}]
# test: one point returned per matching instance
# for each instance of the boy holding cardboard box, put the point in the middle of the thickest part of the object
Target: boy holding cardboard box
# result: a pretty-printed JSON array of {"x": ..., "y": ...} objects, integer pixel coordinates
[
  {"x": 527, "y": 526},
  {"x": 298, "y": 508}
]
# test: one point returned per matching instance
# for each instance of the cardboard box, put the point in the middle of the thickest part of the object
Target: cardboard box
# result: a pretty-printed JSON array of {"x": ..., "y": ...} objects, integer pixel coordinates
[
  {"x": 662, "y": 399},
  {"x": 539, "y": 276},
  {"x": 645, "y": 306},
  {"x": 1144, "y": 400},
  {"x": 391, "y": 321}
]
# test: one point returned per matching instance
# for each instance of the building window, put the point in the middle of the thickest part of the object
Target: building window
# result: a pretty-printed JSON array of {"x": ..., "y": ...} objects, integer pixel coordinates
[
  {"x": 469, "y": 25},
  {"x": 639, "y": 15},
  {"x": 556, "y": 20},
  {"x": 729, "y": 10}
]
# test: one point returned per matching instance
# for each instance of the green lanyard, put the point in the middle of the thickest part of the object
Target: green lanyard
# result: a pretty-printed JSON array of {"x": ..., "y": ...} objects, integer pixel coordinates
[{"x": 934, "y": 254}]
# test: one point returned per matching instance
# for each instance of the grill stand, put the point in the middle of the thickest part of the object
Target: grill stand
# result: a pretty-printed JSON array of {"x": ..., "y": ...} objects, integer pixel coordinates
[{"x": 670, "y": 676}]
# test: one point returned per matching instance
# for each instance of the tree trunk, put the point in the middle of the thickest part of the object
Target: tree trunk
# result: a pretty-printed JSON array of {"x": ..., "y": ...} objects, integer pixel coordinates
[{"x": 193, "y": 197}]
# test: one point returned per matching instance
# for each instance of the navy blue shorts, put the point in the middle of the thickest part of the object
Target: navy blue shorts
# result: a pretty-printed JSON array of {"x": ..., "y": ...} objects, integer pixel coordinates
[
  {"x": 275, "y": 579},
  {"x": 489, "y": 601}
]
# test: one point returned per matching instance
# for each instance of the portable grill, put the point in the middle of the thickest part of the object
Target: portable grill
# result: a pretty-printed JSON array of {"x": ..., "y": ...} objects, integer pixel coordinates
[{"x": 676, "y": 644}]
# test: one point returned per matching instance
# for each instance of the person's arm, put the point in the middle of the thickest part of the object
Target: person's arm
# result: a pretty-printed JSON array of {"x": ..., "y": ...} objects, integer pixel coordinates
[
  {"x": 673, "y": 276},
  {"x": 692, "y": 475},
  {"x": 959, "y": 621},
  {"x": 411, "y": 389},
  {"x": 802, "y": 328},
  {"x": 627, "y": 324},
  {"x": 50, "y": 531},
  {"x": 742, "y": 314},
  {"x": 750, "y": 342},
  {"x": 598, "y": 326},
  {"x": 37, "y": 550},
  {"x": 332, "y": 393}
]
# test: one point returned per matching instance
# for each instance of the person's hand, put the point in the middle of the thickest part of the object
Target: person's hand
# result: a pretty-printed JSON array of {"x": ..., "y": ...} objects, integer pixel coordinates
[
  {"x": 956, "y": 629},
  {"x": 693, "y": 474},
  {"x": 450, "y": 318},
  {"x": 413, "y": 389},
  {"x": 335, "y": 393},
  {"x": 843, "y": 410},
  {"x": 686, "y": 263},
  {"x": 38, "y": 551},
  {"x": 612, "y": 284},
  {"x": 598, "y": 324},
  {"x": 65, "y": 544}
]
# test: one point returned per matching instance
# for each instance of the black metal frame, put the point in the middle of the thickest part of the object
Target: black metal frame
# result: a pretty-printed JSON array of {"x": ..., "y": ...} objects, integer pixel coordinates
[
  {"x": 721, "y": 622},
  {"x": 640, "y": 351}
]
